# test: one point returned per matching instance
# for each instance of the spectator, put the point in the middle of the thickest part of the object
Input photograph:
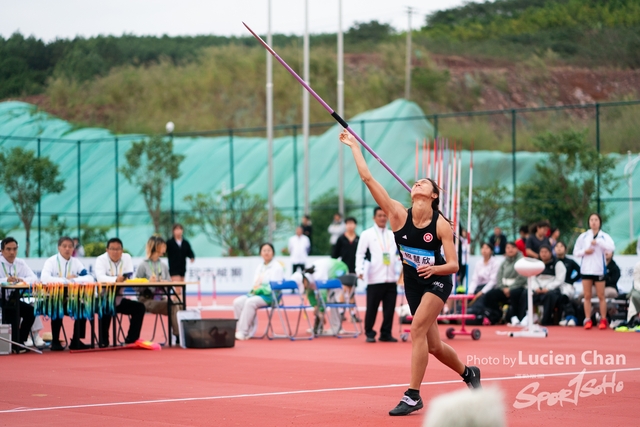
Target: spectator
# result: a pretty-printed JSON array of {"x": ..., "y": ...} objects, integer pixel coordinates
[
  {"x": 307, "y": 229},
  {"x": 114, "y": 266},
  {"x": 157, "y": 271},
  {"x": 245, "y": 307},
  {"x": 485, "y": 273},
  {"x": 591, "y": 247},
  {"x": 78, "y": 249},
  {"x": 498, "y": 242},
  {"x": 612, "y": 277},
  {"x": 521, "y": 242},
  {"x": 547, "y": 288},
  {"x": 63, "y": 268},
  {"x": 299, "y": 248},
  {"x": 380, "y": 275},
  {"x": 509, "y": 284},
  {"x": 178, "y": 250},
  {"x": 15, "y": 270},
  {"x": 573, "y": 269},
  {"x": 537, "y": 239},
  {"x": 336, "y": 228},
  {"x": 347, "y": 244},
  {"x": 345, "y": 250},
  {"x": 553, "y": 238}
]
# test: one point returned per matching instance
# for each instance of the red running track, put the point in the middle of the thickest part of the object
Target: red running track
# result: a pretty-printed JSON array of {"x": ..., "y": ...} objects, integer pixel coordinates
[{"x": 327, "y": 381}]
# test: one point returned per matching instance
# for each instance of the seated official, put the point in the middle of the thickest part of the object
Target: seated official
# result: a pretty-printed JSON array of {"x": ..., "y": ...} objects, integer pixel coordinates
[
  {"x": 63, "y": 268},
  {"x": 323, "y": 270},
  {"x": 509, "y": 286},
  {"x": 485, "y": 273},
  {"x": 157, "y": 271},
  {"x": 245, "y": 307},
  {"x": 115, "y": 267},
  {"x": 548, "y": 288},
  {"x": 14, "y": 270}
]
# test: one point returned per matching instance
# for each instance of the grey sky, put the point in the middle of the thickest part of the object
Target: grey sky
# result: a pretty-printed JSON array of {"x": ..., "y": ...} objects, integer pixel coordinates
[{"x": 48, "y": 19}]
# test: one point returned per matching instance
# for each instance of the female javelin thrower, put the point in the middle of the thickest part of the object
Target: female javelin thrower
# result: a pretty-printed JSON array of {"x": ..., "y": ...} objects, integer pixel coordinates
[{"x": 420, "y": 233}]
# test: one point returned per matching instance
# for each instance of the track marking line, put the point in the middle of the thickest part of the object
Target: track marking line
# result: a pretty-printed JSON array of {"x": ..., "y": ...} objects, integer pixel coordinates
[{"x": 294, "y": 392}]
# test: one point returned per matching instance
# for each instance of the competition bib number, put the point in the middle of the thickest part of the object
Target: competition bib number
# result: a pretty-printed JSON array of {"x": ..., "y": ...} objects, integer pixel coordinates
[{"x": 416, "y": 257}]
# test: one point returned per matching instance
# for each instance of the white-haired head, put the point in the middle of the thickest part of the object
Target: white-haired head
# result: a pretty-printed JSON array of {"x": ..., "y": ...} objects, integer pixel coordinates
[{"x": 467, "y": 408}]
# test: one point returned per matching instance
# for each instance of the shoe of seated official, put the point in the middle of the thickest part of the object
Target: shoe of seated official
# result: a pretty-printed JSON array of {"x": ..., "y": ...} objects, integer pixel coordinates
[
  {"x": 78, "y": 345},
  {"x": 406, "y": 406},
  {"x": 388, "y": 339},
  {"x": 473, "y": 379},
  {"x": 56, "y": 346}
]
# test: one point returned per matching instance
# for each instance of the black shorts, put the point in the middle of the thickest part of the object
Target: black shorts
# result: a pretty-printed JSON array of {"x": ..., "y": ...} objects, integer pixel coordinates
[
  {"x": 593, "y": 277},
  {"x": 440, "y": 286}
]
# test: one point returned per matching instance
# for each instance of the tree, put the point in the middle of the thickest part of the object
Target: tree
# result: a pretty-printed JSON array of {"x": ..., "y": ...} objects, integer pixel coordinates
[
  {"x": 236, "y": 220},
  {"x": 563, "y": 191},
  {"x": 322, "y": 210},
  {"x": 491, "y": 208},
  {"x": 369, "y": 32},
  {"x": 151, "y": 165},
  {"x": 26, "y": 179}
]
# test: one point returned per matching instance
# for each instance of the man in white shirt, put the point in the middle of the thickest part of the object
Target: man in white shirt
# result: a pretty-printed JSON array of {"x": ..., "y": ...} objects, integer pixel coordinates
[
  {"x": 114, "y": 266},
  {"x": 15, "y": 270},
  {"x": 380, "y": 276},
  {"x": 62, "y": 268},
  {"x": 299, "y": 246},
  {"x": 336, "y": 229}
]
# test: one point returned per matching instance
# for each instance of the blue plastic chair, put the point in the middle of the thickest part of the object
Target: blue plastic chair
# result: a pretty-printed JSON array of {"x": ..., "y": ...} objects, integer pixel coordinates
[
  {"x": 278, "y": 306},
  {"x": 335, "y": 285}
]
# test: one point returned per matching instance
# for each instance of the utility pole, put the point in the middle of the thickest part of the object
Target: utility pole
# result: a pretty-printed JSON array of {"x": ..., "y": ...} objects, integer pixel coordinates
[
  {"x": 271, "y": 218},
  {"x": 340, "y": 110},
  {"x": 305, "y": 107},
  {"x": 407, "y": 81}
]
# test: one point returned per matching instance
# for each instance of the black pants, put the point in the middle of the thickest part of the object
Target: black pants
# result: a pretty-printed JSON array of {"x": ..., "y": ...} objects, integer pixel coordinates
[
  {"x": 494, "y": 299},
  {"x": 79, "y": 328},
  {"x": 549, "y": 302},
  {"x": 515, "y": 298},
  {"x": 27, "y": 315},
  {"x": 134, "y": 309},
  {"x": 386, "y": 293},
  {"x": 297, "y": 267}
]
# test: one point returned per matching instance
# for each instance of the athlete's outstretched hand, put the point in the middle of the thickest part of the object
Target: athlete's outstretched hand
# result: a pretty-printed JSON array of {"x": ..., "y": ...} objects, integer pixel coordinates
[{"x": 347, "y": 139}]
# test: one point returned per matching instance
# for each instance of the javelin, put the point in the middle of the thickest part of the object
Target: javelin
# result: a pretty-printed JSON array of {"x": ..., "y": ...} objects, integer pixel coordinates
[{"x": 326, "y": 106}]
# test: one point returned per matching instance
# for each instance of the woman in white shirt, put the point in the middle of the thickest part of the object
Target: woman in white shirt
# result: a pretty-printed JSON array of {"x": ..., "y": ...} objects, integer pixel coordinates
[
  {"x": 591, "y": 247},
  {"x": 246, "y": 306},
  {"x": 485, "y": 272}
]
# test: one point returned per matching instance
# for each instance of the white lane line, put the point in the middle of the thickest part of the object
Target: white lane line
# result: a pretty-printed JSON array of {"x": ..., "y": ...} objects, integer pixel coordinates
[{"x": 294, "y": 392}]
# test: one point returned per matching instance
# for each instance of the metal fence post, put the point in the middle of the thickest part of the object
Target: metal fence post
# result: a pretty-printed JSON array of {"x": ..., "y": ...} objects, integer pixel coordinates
[
  {"x": 513, "y": 166},
  {"x": 173, "y": 211},
  {"x": 231, "y": 166},
  {"x": 117, "y": 191},
  {"x": 295, "y": 173},
  {"x": 79, "y": 194},
  {"x": 39, "y": 214},
  {"x": 598, "y": 150},
  {"x": 435, "y": 126}
]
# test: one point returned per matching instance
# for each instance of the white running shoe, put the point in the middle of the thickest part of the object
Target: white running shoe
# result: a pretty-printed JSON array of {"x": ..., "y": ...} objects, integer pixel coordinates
[
  {"x": 39, "y": 342},
  {"x": 514, "y": 321},
  {"x": 241, "y": 337},
  {"x": 29, "y": 342}
]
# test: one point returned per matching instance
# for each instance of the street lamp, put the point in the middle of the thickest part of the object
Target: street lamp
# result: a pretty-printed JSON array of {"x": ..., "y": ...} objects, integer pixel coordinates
[
  {"x": 628, "y": 172},
  {"x": 169, "y": 127}
]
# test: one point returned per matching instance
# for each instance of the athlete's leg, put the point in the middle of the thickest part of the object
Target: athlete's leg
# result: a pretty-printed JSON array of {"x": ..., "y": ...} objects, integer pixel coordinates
[
  {"x": 442, "y": 351},
  {"x": 586, "y": 287},
  {"x": 423, "y": 319}
]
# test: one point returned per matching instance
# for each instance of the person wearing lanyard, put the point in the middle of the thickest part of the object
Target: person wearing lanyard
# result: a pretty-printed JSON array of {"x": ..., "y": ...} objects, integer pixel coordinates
[
  {"x": 114, "y": 266},
  {"x": 63, "y": 268},
  {"x": 379, "y": 243},
  {"x": 15, "y": 270},
  {"x": 157, "y": 271}
]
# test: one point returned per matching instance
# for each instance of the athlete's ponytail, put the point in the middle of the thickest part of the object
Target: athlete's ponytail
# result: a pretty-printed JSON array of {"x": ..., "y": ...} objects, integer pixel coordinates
[{"x": 435, "y": 203}]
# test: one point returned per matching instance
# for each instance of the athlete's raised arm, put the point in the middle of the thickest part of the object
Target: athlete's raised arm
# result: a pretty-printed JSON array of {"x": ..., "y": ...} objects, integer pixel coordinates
[{"x": 396, "y": 212}]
